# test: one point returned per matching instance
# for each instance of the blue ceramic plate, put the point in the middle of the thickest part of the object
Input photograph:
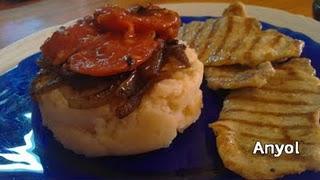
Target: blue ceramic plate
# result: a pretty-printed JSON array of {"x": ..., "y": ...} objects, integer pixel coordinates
[{"x": 27, "y": 149}]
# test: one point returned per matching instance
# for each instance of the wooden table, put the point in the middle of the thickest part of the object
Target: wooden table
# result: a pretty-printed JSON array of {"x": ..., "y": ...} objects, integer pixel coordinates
[{"x": 18, "y": 22}]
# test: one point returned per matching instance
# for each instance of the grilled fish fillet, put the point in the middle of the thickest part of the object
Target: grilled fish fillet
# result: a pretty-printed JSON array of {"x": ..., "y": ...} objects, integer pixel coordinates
[
  {"x": 236, "y": 76},
  {"x": 285, "y": 110},
  {"x": 238, "y": 39}
]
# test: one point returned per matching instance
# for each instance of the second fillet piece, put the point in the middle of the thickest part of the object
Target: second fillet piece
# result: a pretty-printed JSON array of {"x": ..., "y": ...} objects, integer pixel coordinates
[{"x": 283, "y": 111}]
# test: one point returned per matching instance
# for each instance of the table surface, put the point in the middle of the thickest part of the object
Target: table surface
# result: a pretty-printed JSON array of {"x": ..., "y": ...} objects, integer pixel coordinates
[{"x": 18, "y": 22}]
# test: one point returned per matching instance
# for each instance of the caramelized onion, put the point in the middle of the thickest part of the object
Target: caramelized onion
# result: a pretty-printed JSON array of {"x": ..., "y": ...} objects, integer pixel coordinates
[
  {"x": 177, "y": 51},
  {"x": 123, "y": 91},
  {"x": 132, "y": 89},
  {"x": 43, "y": 82},
  {"x": 88, "y": 98}
]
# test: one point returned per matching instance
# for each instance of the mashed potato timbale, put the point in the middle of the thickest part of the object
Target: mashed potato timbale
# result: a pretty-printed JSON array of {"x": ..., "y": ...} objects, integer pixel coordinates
[{"x": 172, "y": 105}]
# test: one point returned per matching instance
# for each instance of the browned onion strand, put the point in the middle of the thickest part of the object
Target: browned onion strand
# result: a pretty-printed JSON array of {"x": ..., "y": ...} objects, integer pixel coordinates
[
  {"x": 91, "y": 99},
  {"x": 128, "y": 106},
  {"x": 133, "y": 88},
  {"x": 123, "y": 91},
  {"x": 177, "y": 51},
  {"x": 43, "y": 82}
]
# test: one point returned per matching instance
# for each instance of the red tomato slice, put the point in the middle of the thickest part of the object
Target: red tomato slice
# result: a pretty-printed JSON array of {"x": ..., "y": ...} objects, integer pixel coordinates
[
  {"x": 115, "y": 55},
  {"x": 64, "y": 42},
  {"x": 164, "y": 22},
  {"x": 113, "y": 41}
]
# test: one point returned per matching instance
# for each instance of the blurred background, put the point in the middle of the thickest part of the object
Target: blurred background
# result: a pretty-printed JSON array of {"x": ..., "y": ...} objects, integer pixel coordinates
[{"x": 19, "y": 18}]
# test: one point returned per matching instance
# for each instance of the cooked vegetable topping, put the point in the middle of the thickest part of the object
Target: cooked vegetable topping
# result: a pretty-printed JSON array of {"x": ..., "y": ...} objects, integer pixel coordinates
[{"x": 113, "y": 57}]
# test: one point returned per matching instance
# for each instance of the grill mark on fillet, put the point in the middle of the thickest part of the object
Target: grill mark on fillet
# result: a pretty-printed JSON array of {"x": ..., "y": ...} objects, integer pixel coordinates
[
  {"x": 226, "y": 35},
  {"x": 199, "y": 30},
  {"x": 253, "y": 123},
  {"x": 207, "y": 43},
  {"x": 266, "y": 100},
  {"x": 269, "y": 113},
  {"x": 248, "y": 28},
  {"x": 304, "y": 91}
]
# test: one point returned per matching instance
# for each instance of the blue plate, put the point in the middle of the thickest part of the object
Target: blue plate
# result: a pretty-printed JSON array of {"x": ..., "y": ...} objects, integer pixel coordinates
[{"x": 27, "y": 149}]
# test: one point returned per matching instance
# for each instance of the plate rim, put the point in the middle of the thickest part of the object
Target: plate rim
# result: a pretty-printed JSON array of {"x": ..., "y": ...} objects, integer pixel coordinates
[{"x": 12, "y": 54}]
